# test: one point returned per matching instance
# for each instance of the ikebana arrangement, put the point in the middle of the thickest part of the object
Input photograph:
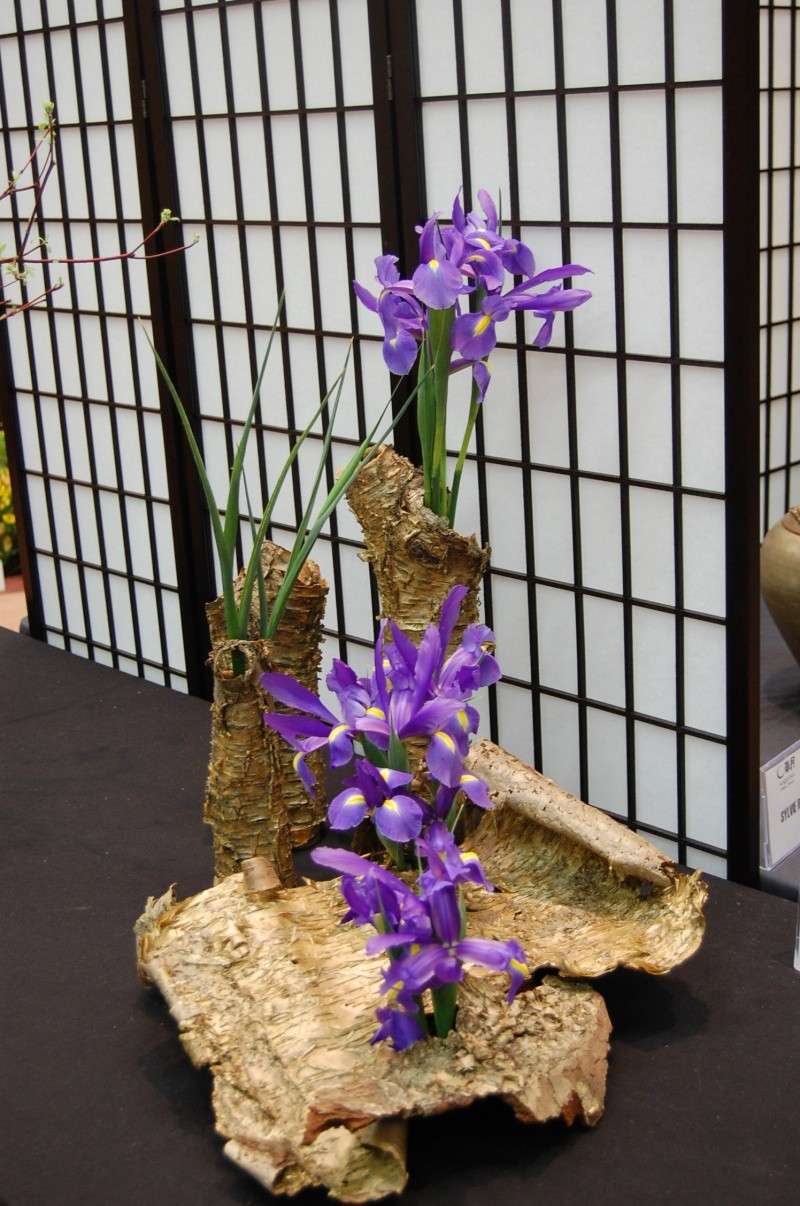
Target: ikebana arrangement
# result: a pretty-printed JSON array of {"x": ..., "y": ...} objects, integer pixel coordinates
[{"x": 490, "y": 895}]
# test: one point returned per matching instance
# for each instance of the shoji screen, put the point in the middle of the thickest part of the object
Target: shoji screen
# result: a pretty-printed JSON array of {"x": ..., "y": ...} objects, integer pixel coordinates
[
  {"x": 599, "y": 478},
  {"x": 85, "y": 395},
  {"x": 780, "y": 281},
  {"x": 272, "y": 123}
]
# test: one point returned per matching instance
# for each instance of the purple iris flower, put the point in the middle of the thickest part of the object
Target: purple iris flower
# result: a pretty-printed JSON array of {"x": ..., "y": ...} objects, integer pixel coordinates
[
  {"x": 432, "y": 964},
  {"x": 446, "y": 861},
  {"x": 400, "y": 313},
  {"x": 375, "y": 896},
  {"x": 403, "y": 1027},
  {"x": 317, "y": 728},
  {"x": 481, "y": 231},
  {"x": 437, "y": 280},
  {"x": 474, "y": 335},
  {"x": 412, "y": 710},
  {"x": 373, "y": 791}
]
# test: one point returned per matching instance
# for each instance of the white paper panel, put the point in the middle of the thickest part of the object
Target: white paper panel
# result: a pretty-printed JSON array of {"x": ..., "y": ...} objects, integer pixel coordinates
[
  {"x": 506, "y": 527},
  {"x": 656, "y": 776},
  {"x": 605, "y": 650},
  {"x": 589, "y": 157},
  {"x": 652, "y": 545},
  {"x": 697, "y": 26},
  {"x": 552, "y": 526},
  {"x": 706, "y": 792},
  {"x": 704, "y": 669},
  {"x": 654, "y": 663},
  {"x": 643, "y": 156},
  {"x": 435, "y": 42},
  {"x": 515, "y": 719},
  {"x": 704, "y": 555},
  {"x": 640, "y": 41},
  {"x": 537, "y": 150},
  {"x": 585, "y": 43},
  {"x": 560, "y": 741},
  {"x": 607, "y": 757},
  {"x": 532, "y": 43},
  {"x": 601, "y": 539},
  {"x": 510, "y": 603},
  {"x": 555, "y": 630},
  {"x": 649, "y": 414}
]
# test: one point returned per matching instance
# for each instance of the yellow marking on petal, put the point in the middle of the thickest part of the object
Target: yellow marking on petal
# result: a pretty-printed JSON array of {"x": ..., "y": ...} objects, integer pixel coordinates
[
  {"x": 337, "y": 732},
  {"x": 446, "y": 740},
  {"x": 379, "y": 712},
  {"x": 296, "y": 760},
  {"x": 384, "y": 772},
  {"x": 463, "y": 719},
  {"x": 484, "y": 243},
  {"x": 392, "y": 805},
  {"x": 354, "y": 800},
  {"x": 393, "y": 992},
  {"x": 469, "y": 856},
  {"x": 433, "y": 264},
  {"x": 415, "y": 948},
  {"x": 482, "y": 324},
  {"x": 468, "y": 779},
  {"x": 519, "y": 967}
]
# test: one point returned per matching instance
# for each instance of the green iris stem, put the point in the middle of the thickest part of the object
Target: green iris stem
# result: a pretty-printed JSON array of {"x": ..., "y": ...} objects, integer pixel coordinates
[
  {"x": 440, "y": 323},
  {"x": 455, "y": 816},
  {"x": 444, "y": 1008},
  {"x": 474, "y": 407},
  {"x": 395, "y": 850}
]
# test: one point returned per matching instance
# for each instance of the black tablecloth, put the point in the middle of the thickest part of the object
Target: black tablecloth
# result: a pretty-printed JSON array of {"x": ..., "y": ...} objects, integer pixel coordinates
[{"x": 101, "y": 781}]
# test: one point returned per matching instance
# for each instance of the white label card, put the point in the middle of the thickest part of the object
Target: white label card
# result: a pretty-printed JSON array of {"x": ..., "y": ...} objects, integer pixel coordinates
[{"x": 780, "y": 806}]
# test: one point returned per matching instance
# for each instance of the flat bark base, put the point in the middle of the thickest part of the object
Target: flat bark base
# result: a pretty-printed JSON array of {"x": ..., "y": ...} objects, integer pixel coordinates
[{"x": 279, "y": 1000}]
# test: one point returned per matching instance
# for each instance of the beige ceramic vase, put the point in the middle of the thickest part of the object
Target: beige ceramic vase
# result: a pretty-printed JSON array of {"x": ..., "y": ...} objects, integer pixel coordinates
[{"x": 780, "y": 577}]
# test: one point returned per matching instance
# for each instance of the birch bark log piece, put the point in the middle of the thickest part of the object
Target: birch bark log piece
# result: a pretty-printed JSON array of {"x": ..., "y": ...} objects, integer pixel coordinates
[
  {"x": 244, "y": 803},
  {"x": 296, "y": 649},
  {"x": 279, "y": 999},
  {"x": 416, "y": 557}
]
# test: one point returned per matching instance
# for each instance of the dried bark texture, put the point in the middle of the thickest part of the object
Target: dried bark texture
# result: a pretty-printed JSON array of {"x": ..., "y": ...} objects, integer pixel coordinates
[
  {"x": 581, "y": 893},
  {"x": 416, "y": 557},
  {"x": 296, "y": 649},
  {"x": 279, "y": 1001},
  {"x": 244, "y": 802}
]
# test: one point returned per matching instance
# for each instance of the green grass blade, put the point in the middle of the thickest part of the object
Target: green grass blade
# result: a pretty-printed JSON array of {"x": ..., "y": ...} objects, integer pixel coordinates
[
  {"x": 255, "y": 557},
  {"x": 326, "y": 444},
  {"x": 232, "y": 505},
  {"x": 263, "y": 602},
  {"x": 360, "y": 457},
  {"x": 223, "y": 551}
]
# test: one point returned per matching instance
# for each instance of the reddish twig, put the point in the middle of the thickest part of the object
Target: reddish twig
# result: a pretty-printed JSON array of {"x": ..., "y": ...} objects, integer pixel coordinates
[{"x": 19, "y": 264}]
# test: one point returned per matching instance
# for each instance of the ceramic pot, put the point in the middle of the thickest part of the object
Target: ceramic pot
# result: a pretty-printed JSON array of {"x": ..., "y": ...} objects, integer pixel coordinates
[{"x": 780, "y": 577}]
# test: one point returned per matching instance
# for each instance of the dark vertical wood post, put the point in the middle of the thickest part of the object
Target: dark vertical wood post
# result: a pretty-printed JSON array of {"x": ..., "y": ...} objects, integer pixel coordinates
[{"x": 172, "y": 336}]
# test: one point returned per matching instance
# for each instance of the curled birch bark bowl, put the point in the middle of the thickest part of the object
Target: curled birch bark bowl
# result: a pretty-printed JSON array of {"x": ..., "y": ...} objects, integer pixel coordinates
[{"x": 278, "y": 999}]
